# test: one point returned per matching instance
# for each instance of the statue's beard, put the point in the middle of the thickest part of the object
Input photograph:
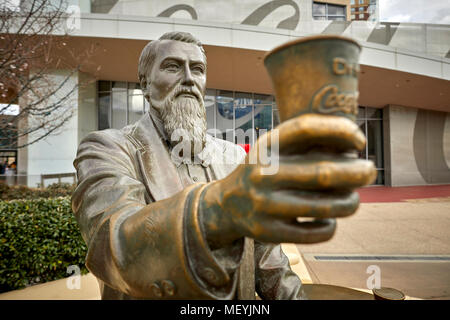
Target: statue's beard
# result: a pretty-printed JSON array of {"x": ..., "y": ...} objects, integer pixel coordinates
[{"x": 183, "y": 116}]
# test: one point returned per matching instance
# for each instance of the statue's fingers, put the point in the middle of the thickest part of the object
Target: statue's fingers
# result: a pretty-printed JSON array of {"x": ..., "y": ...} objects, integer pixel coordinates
[
  {"x": 341, "y": 174},
  {"x": 291, "y": 204},
  {"x": 299, "y": 232},
  {"x": 300, "y": 134}
]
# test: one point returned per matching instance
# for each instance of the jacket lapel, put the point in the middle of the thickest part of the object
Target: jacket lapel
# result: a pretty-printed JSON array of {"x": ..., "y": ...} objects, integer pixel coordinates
[{"x": 160, "y": 176}]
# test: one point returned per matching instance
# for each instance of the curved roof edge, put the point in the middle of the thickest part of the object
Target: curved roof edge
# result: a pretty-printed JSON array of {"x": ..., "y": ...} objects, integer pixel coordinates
[{"x": 252, "y": 38}]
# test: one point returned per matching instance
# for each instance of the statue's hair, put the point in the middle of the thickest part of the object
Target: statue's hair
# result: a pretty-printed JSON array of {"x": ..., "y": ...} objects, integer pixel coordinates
[{"x": 148, "y": 54}]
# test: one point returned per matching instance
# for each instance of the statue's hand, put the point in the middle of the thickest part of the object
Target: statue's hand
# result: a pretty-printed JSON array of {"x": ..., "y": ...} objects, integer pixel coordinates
[{"x": 318, "y": 171}]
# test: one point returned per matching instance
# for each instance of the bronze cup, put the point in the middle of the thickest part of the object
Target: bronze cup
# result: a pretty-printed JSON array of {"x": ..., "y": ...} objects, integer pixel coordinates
[{"x": 315, "y": 75}]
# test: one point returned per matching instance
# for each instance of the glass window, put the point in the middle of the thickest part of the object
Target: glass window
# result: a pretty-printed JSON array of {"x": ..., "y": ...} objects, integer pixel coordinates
[
  {"x": 380, "y": 177},
  {"x": 370, "y": 122},
  {"x": 135, "y": 108},
  {"x": 362, "y": 125},
  {"x": 352, "y": 1},
  {"x": 336, "y": 10},
  {"x": 244, "y": 124},
  {"x": 361, "y": 16},
  {"x": 275, "y": 117},
  {"x": 104, "y": 116},
  {"x": 242, "y": 98},
  {"x": 134, "y": 88},
  {"x": 104, "y": 86},
  {"x": 119, "y": 109},
  {"x": 375, "y": 142},
  {"x": 319, "y": 9},
  {"x": 361, "y": 9},
  {"x": 361, "y": 113},
  {"x": 118, "y": 85},
  {"x": 374, "y": 113},
  {"x": 225, "y": 104},
  {"x": 262, "y": 99},
  {"x": 225, "y": 114},
  {"x": 353, "y": 9},
  {"x": 210, "y": 103},
  {"x": 325, "y": 11},
  {"x": 263, "y": 119},
  {"x": 361, "y": 1}
]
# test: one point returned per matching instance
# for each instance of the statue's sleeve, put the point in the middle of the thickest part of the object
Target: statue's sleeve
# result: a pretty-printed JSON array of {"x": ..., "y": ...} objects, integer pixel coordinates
[
  {"x": 274, "y": 279},
  {"x": 155, "y": 250}
]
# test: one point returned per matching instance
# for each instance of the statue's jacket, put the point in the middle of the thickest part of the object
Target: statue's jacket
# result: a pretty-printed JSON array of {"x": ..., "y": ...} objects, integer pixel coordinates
[{"x": 142, "y": 228}]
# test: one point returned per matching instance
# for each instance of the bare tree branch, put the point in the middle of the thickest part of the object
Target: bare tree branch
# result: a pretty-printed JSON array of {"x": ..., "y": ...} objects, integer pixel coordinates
[{"x": 33, "y": 47}]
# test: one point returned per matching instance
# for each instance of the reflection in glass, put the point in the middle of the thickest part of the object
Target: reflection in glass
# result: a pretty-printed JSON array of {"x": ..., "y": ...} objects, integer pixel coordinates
[
  {"x": 336, "y": 10},
  {"x": 119, "y": 85},
  {"x": 276, "y": 117},
  {"x": 225, "y": 115},
  {"x": 263, "y": 119},
  {"x": 361, "y": 113},
  {"x": 242, "y": 99},
  {"x": 210, "y": 111},
  {"x": 135, "y": 108},
  {"x": 243, "y": 125},
  {"x": 104, "y": 86},
  {"x": 362, "y": 125},
  {"x": 262, "y": 99},
  {"x": 375, "y": 142},
  {"x": 104, "y": 103},
  {"x": 374, "y": 113},
  {"x": 225, "y": 104},
  {"x": 380, "y": 177},
  {"x": 318, "y": 9},
  {"x": 119, "y": 109},
  {"x": 134, "y": 88}
]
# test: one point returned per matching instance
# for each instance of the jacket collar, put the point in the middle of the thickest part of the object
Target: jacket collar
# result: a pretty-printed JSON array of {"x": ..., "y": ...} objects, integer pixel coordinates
[{"x": 156, "y": 166}]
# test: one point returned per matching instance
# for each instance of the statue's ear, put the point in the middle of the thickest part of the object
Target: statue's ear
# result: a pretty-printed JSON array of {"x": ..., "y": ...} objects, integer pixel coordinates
[{"x": 144, "y": 89}]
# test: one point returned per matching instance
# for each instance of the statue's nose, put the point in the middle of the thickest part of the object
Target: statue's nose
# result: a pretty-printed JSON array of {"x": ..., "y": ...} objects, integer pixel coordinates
[{"x": 188, "y": 80}]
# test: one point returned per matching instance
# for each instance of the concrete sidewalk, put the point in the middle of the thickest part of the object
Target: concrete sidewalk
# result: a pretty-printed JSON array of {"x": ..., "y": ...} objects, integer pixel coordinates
[{"x": 408, "y": 241}]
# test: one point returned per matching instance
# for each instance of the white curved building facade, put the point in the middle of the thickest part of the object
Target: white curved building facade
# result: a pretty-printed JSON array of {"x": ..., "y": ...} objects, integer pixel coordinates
[{"x": 404, "y": 81}]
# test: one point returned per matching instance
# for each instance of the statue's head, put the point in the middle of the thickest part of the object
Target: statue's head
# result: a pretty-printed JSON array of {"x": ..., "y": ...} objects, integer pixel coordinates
[{"x": 172, "y": 73}]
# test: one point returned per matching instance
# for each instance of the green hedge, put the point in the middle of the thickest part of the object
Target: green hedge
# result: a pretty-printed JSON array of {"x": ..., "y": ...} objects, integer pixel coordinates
[
  {"x": 23, "y": 192},
  {"x": 39, "y": 239}
]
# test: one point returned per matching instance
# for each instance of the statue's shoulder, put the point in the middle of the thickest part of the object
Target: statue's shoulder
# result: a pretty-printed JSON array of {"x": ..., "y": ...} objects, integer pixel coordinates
[
  {"x": 109, "y": 138},
  {"x": 104, "y": 136}
]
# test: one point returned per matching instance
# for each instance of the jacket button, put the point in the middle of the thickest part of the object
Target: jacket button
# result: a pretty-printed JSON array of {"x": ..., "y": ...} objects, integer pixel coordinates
[
  {"x": 195, "y": 179},
  {"x": 168, "y": 287},
  {"x": 210, "y": 275},
  {"x": 156, "y": 290}
]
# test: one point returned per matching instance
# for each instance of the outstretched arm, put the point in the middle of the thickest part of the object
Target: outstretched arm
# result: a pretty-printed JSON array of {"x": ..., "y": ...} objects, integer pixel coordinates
[{"x": 146, "y": 250}]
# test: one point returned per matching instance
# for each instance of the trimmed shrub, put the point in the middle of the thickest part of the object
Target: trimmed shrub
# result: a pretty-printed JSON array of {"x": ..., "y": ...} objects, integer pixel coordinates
[
  {"x": 39, "y": 239},
  {"x": 23, "y": 192}
]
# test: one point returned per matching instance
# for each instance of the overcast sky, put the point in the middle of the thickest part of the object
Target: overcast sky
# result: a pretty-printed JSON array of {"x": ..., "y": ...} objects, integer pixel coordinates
[{"x": 420, "y": 11}]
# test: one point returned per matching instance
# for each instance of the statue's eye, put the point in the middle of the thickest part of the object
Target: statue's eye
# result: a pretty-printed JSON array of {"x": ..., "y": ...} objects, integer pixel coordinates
[
  {"x": 172, "y": 67},
  {"x": 198, "y": 69}
]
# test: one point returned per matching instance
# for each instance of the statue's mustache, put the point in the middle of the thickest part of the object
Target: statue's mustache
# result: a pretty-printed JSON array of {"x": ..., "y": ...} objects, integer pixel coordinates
[{"x": 188, "y": 91}]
